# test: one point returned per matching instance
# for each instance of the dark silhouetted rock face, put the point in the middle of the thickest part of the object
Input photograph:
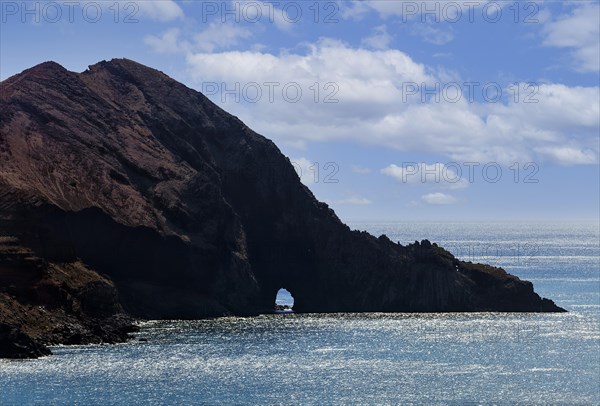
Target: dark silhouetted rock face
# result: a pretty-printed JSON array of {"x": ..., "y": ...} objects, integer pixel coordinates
[
  {"x": 16, "y": 344},
  {"x": 192, "y": 214},
  {"x": 44, "y": 303}
]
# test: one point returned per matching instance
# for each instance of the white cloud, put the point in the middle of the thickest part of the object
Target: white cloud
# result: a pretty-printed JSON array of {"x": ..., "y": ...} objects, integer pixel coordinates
[
  {"x": 220, "y": 36},
  {"x": 307, "y": 171},
  {"x": 449, "y": 176},
  {"x": 217, "y": 36},
  {"x": 578, "y": 31},
  {"x": 161, "y": 10},
  {"x": 134, "y": 11},
  {"x": 367, "y": 80},
  {"x": 284, "y": 19},
  {"x": 379, "y": 40},
  {"x": 372, "y": 109},
  {"x": 167, "y": 43},
  {"x": 353, "y": 10},
  {"x": 438, "y": 198}
]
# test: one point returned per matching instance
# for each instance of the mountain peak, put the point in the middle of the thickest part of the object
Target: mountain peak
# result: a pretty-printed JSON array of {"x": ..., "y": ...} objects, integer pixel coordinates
[
  {"x": 49, "y": 66},
  {"x": 44, "y": 69},
  {"x": 127, "y": 66},
  {"x": 44, "y": 72}
]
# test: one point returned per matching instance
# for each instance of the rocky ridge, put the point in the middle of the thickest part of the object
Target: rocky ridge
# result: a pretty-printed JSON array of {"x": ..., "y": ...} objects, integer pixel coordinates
[{"x": 123, "y": 191}]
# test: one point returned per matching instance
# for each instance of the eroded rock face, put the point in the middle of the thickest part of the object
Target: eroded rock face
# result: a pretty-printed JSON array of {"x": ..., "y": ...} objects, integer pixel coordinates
[
  {"x": 44, "y": 303},
  {"x": 192, "y": 214},
  {"x": 16, "y": 344}
]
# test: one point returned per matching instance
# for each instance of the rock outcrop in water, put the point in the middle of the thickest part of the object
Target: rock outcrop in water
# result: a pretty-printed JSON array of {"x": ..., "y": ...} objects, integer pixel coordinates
[{"x": 122, "y": 177}]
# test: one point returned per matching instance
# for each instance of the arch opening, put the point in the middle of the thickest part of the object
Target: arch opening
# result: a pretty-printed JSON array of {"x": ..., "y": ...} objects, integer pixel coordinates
[{"x": 284, "y": 301}]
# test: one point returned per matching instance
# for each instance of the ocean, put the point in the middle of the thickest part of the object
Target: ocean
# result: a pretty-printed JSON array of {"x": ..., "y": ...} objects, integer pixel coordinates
[{"x": 375, "y": 358}]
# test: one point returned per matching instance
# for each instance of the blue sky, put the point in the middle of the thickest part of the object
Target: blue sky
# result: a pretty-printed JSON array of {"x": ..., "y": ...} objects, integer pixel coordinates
[{"x": 466, "y": 110}]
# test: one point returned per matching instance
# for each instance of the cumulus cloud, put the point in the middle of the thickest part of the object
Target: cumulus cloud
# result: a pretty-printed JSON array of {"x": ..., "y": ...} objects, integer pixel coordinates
[
  {"x": 167, "y": 43},
  {"x": 161, "y": 10},
  {"x": 220, "y": 36},
  {"x": 358, "y": 82},
  {"x": 353, "y": 10},
  {"x": 133, "y": 11},
  {"x": 217, "y": 36},
  {"x": 438, "y": 199},
  {"x": 578, "y": 31},
  {"x": 368, "y": 104}
]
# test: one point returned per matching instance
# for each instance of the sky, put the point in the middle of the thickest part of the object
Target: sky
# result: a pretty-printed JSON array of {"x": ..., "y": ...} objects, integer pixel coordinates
[{"x": 389, "y": 110}]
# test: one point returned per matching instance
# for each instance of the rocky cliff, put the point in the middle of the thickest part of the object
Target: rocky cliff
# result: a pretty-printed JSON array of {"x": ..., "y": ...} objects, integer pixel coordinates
[
  {"x": 43, "y": 303},
  {"x": 121, "y": 171}
]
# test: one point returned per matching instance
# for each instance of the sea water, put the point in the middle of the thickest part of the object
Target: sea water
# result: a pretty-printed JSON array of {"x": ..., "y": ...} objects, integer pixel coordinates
[{"x": 362, "y": 358}]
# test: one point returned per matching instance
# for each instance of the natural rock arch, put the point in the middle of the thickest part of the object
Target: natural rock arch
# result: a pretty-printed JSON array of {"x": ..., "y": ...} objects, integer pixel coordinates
[{"x": 284, "y": 299}]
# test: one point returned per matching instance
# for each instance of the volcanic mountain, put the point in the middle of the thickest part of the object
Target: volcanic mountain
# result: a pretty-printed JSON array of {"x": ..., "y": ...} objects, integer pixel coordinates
[{"x": 124, "y": 192}]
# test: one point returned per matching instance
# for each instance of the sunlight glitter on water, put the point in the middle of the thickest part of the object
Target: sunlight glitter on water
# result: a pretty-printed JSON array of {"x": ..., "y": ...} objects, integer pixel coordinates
[
  {"x": 327, "y": 358},
  {"x": 376, "y": 358}
]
